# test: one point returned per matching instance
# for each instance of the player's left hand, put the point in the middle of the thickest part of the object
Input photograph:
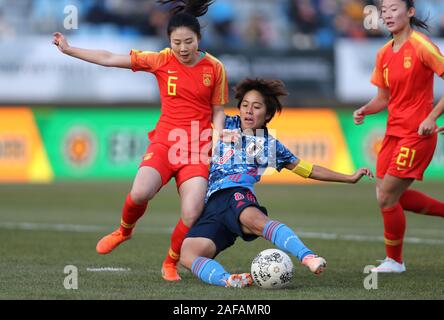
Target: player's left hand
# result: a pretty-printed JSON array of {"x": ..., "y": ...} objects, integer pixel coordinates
[
  {"x": 359, "y": 116},
  {"x": 360, "y": 173},
  {"x": 427, "y": 127}
]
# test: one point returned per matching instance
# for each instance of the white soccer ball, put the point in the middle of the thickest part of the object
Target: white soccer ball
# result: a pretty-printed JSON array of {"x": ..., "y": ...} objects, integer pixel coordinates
[{"x": 272, "y": 269}]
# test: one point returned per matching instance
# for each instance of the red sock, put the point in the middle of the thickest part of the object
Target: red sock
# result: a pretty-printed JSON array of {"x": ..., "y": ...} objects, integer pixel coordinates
[
  {"x": 179, "y": 233},
  {"x": 418, "y": 202},
  {"x": 130, "y": 214},
  {"x": 394, "y": 230}
]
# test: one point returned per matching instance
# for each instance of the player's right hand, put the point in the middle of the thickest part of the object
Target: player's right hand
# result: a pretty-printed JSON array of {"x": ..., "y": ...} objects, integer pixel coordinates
[
  {"x": 358, "y": 116},
  {"x": 360, "y": 173},
  {"x": 60, "y": 41}
]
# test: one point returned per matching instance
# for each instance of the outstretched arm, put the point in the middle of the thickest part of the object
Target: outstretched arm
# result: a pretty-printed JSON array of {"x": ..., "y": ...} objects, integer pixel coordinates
[
  {"x": 377, "y": 104},
  {"x": 323, "y": 174},
  {"x": 320, "y": 173},
  {"x": 100, "y": 57}
]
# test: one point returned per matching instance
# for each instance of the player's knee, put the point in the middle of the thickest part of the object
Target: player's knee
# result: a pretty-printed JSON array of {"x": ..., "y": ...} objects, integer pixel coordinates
[
  {"x": 138, "y": 196},
  {"x": 385, "y": 199},
  {"x": 191, "y": 214},
  {"x": 141, "y": 195}
]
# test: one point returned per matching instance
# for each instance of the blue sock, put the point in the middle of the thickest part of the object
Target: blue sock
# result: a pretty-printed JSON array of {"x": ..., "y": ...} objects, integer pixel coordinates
[
  {"x": 285, "y": 239},
  {"x": 210, "y": 271}
]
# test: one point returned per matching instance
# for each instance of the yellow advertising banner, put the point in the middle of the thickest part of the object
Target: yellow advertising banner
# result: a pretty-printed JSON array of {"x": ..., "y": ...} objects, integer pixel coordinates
[
  {"x": 314, "y": 135},
  {"x": 22, "y": 155}
]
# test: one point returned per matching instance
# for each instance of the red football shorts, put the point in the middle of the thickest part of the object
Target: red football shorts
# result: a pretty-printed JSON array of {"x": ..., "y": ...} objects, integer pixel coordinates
[
  {"x": 405, "y": 157},
  {"x": 170, "y": 166}
]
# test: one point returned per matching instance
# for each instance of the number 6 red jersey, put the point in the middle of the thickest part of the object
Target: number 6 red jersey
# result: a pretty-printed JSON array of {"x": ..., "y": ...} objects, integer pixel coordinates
[{"x": 187, "y": 93}]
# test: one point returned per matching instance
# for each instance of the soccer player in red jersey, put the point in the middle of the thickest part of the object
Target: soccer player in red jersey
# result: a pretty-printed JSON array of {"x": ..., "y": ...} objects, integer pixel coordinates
[
  {"x": 193, "y": 89},
  {"x": 404, "y": 73}
]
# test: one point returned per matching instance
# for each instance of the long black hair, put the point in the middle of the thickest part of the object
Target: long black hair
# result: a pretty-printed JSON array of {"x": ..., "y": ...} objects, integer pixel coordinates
[
  {"x": 415, "y": 21},
  {"x": 185, "y": 14}
]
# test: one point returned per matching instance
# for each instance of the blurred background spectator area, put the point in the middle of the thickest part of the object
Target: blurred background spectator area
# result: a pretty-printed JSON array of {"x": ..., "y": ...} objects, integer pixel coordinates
[
  {"x": 237, "y": 24},
  {"x": 319, "y": 48}
]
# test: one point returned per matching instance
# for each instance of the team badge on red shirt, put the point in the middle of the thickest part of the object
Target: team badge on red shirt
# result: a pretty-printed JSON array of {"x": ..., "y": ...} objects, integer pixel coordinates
[
  {"x": 207, "y": 79},
  {"x": 207, "y": 76},
  {"x": 407, "y": 59}
]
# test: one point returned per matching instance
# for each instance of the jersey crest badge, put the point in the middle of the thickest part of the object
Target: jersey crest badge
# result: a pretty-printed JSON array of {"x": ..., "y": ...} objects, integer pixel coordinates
[
  {"x": 207, "y": 79},
  {"x": 407, "y": 59},
  {"x": 255, "y": 147}
]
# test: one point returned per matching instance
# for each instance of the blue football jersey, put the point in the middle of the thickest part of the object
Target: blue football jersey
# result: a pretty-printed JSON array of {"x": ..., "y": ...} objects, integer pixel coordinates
[{"x": 242, "y": 164}]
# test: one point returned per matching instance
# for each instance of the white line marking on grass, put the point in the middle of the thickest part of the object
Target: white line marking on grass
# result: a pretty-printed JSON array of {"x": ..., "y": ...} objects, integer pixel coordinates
[
  {"x": 363, "y": 238},
  {"x": 30, "y": 226},
  {"x": 151, "y": 230},
  {"x": 108, "y": 269},
  {"x": 50, "y": 227}
]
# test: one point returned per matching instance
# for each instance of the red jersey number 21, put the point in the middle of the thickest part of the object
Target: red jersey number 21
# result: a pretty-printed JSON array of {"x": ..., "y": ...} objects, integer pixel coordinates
[
  {"x": 172, "y": 86},
  {"x": 406, "y": 157}
]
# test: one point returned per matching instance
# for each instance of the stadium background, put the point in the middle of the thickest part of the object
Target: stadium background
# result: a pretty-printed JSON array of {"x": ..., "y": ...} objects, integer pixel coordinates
[{"x": 76, "y": 133}]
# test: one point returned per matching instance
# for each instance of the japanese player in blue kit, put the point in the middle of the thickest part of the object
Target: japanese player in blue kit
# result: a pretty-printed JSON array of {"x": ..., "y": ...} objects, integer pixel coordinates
[{"x": 231, "y": 208}]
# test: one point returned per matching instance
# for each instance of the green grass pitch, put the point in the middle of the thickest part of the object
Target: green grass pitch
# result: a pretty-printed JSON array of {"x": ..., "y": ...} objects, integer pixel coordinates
[{"x": 43, "y": 228}]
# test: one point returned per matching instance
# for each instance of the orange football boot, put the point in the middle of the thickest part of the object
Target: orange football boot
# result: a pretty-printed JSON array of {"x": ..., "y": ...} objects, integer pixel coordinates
[
  {"x": 109, "y": 242},
  {"x": 169, "y": 272}
]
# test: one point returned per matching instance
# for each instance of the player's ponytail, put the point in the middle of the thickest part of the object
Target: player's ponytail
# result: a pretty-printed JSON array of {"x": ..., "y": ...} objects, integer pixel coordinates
[
  {"x": 415, "y": 21},
  {"x": 185, "y": 13}
]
